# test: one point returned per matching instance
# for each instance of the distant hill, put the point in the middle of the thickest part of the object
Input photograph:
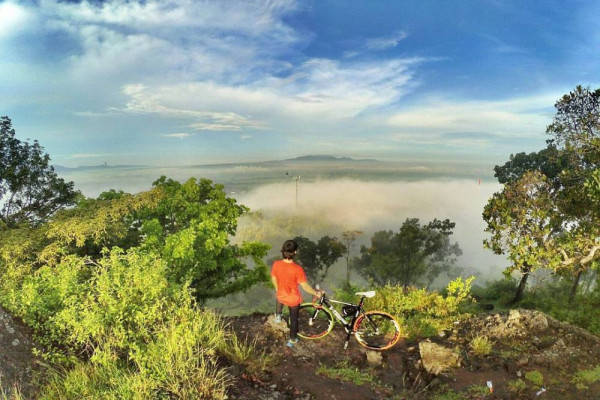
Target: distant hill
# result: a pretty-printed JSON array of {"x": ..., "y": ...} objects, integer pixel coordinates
[
  {"x": 62, "y": 168},
  {"x": 325, "y": 157}
]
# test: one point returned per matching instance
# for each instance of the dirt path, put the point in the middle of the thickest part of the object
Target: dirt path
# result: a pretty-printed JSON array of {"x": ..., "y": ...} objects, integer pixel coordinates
[{"x": 16, "y": 360}]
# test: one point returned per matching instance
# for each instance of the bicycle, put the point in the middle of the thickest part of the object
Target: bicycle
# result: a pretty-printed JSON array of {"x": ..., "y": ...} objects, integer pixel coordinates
[{"x": 375, "y": 330}]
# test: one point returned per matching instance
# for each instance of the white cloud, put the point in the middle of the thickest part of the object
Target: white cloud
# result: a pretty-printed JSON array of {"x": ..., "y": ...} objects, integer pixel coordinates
[
  {"x": 13, "y": 18},
  {"x": 523, "y": 116},
  {"x": 179, "y": 135},
  {"x": 320, "y": 88},
  {"x": 385, "y": 42}
]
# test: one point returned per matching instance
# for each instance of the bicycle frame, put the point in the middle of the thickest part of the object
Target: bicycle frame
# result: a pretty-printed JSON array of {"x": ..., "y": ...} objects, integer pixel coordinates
[{"x": 348, "y": 326}]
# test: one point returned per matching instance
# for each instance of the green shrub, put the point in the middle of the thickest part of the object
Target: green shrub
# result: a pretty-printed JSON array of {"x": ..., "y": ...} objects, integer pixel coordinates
[
  {"x": 345, "y": 372},
  {"x": 517, "y": 386},
  {"x": 481, "y": 345},
  {"x": 586, "y": 377},
  {"x": 423, "y": 313},
  {"x": 535, "y": 377}
]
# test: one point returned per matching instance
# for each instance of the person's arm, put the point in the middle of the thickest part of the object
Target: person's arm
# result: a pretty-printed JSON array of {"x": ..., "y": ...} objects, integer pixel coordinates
[
  {"x": 308, "y": 289},
  {"x": 274, "y": 281}
]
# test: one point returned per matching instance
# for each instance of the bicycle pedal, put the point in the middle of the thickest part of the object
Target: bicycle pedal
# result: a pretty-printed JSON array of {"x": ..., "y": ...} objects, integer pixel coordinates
[{"x": 310, "y": 322}]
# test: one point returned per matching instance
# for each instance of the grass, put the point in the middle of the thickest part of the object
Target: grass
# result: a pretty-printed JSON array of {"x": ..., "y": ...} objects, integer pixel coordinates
[
  {"x": 345, "y": 372},
  {"x": 517, "y": 386},
  {"x": 535, "y": 377},
  {"x": 586, "y": 377},
  {"x": 481, "y": 345},
  {"x": 447, "y": 394},
  {"x": 478, "y": 390},
  {"x": 14, "y": 394}
]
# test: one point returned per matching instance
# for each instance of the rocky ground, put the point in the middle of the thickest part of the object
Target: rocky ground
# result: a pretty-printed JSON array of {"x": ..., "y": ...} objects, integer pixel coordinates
[
  {"x": 532, "y": 357},
  {"x": 17, "y": 363}
]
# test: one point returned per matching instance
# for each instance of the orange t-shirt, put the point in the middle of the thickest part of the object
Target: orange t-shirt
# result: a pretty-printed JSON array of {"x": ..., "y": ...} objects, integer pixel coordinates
[{"x": 288, "y": 277}]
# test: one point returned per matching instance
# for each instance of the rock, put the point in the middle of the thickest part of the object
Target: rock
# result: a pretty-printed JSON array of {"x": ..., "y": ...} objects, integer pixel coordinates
[
  {"x": 523, "y": 361},
  {"x": 374, "y": 358},
  {"x": 15, "y": 342},
  {"x": 437, "y": 359},
  {"x": 537, "y": 322},
  {"x": 280, "y": 328}
]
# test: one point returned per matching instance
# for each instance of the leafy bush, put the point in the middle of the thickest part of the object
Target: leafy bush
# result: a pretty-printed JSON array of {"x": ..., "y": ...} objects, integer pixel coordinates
[
  {"x": 481, "y": 345},
  {"x": 586, "y": 377},
  {"x": 124, "y": 322},
  {"x": 419, "y": 312},
  {"x": 535, "y": 377}
]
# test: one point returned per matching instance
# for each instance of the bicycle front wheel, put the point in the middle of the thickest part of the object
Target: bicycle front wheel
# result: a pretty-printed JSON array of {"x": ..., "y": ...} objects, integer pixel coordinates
[
  {"x": 314, "y": 321},
  {"x": 376, "y": 330}
]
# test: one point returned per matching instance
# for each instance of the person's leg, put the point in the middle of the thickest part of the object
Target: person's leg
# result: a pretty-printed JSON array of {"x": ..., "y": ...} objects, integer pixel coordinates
[
  {"x": 294, "y": 322},
  {"x": 278, "y": 311}
]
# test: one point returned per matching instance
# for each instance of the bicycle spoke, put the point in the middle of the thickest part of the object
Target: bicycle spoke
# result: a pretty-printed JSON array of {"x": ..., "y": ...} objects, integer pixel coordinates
[
  {"x": 377, "y": 330},
  {"x": 313, "y": 322}
]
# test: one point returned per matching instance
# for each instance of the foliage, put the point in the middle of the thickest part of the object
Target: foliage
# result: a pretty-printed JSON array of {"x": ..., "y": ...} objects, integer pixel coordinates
[
  {"x": 123, "y": 322},
  {"x": 317, "y": 258},
  {"x": 30, "y": 189},
  {"x": 345, "y": 372},
  {"x": 481, "y": 345},
  {"x": 517, "y": 386},
  {"x": 586, "y": 377},
  {"x": 546, "y": 217},
  {"x": 535, "y": 377},
  {"x": 414, "y": 255},
  {"x": 420, "y": 313}
]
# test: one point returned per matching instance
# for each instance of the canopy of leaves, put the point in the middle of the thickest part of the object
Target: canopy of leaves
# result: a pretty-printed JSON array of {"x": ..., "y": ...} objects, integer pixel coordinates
[
  {"x": 414, "y": 255},
  {"x": 188, "y": 225},
  {"x": 547, "y": 216},
  {"x": 30, "y": 190},
  {"x": 520, "y": 220},
  {"x": 317, "y": 258}
]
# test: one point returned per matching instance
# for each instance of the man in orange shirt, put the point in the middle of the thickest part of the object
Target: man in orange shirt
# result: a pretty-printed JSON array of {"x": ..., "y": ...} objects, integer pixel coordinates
[{"x": 286, "y": 275}]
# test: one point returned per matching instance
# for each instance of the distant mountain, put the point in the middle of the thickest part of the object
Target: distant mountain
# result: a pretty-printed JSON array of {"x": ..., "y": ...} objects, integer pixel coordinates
[
  {"x": 62, "y": 168},
  {"x": 325, "y": 157}
]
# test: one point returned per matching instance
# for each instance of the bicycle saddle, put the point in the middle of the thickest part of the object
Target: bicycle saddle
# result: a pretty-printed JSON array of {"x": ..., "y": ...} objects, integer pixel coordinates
[{"x": 366, "y": 294}]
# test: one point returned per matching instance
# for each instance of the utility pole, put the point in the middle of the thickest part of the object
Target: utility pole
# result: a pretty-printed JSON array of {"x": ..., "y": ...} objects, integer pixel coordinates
[
  {"x": 297, "y": 179},
  {"x": 349, "y": 237}
]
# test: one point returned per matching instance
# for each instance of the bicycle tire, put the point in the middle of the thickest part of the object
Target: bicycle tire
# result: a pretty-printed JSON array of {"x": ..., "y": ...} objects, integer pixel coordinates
[
  {"x": 376, "y": 330},
  {"x": 314, "y": 321}
]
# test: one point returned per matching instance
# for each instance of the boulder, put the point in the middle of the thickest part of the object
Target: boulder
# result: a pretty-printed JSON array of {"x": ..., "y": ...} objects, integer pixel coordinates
[
  {"x": 279, "y": 328},
  {"x": 437, "y": 359},
  {"x": 374, "y": 358}
]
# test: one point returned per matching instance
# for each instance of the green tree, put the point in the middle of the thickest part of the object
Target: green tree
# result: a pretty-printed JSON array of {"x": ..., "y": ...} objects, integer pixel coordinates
[
  {"x": 572, "y": 156},
  {"x": 30, "y": 189},
  {"x": 415, "y": 255},
  {"x": 191, "y": 227},
  {"x": 317, "y": 258},
  {"x": 521, "y": 221}
]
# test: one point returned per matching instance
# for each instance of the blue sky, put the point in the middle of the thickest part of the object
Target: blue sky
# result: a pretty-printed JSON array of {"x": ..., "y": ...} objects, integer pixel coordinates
[{"x": 187, "y": 82}]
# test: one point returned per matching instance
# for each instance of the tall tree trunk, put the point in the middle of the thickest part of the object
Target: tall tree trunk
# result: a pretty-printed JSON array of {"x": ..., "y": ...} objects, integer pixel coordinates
[
  {"x": 574, "y": 287},
  {"x": 521, "y": 288}
]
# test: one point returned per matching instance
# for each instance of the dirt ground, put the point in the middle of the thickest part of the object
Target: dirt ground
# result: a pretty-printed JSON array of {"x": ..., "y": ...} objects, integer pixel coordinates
[
  {"x": 16, "y": 360},
  {"x": 555, "y": 353}
]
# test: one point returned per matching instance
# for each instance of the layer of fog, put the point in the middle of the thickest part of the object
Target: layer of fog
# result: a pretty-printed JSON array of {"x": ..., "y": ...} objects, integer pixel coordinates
[{"x": 347, "y": 204}]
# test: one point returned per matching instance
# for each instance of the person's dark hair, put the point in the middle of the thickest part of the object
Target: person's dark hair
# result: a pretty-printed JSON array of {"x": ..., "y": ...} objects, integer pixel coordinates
[{"x": 289, "y": 249}]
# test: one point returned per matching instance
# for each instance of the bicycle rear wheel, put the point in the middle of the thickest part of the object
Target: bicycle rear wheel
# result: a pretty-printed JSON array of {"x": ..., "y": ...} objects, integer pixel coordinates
[
  {"x": 376, "y": 330},
  {"x": 314, "y": 322}
]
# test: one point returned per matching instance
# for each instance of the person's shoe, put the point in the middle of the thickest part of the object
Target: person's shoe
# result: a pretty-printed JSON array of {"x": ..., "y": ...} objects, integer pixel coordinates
[
  {"x": 290, "y": 343},
  {"x": 278, "y": 318}
]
